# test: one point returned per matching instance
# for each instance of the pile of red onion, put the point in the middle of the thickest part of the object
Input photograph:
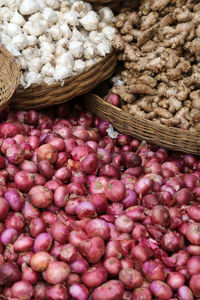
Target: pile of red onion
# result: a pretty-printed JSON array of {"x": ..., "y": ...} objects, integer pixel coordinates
[{"x": 86, "y": 216}]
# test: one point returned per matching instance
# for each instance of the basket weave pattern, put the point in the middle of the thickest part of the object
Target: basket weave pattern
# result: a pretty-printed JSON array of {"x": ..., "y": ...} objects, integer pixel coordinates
[
  {"x": 9, "y": 76},
  {"x": 170, "y": 138},
  {"x": 41, "y": 96}
]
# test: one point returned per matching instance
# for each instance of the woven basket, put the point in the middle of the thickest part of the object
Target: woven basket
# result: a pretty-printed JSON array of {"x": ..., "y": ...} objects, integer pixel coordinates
[
  {"x": 170, "y": 138},
  {"x": 9, "y": 76},
  {"x": 41, "y": 96}
]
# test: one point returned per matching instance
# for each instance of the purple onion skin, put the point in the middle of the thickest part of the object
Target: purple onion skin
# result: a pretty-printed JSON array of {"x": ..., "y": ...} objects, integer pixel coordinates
[
  {"x": 9, "y": 273},
  {"x": 8, "y": 236},
  {"x": 42, "y": 242},
  {"x": 15, "y": 200}
]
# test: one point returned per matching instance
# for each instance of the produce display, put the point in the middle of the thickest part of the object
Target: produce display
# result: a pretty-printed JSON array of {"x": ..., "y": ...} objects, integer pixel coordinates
[
  {"x": 89, "y": 213},
  {"x": 54, "y": 40},
  {"x": 158, "y": 49}
]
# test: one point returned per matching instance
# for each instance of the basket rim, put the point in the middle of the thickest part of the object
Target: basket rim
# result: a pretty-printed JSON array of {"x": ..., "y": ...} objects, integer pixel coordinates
[
  {"x": 138, "y": 118},
  {"x": 67, "y": 80}
]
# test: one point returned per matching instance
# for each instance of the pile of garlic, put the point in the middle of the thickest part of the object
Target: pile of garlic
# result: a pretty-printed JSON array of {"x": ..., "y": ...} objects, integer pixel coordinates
[{"x": 54, "y": 39}]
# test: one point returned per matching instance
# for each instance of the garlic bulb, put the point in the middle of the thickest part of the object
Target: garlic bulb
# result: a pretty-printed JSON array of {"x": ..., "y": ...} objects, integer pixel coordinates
[
  {"x": 71, "y": 18},
  {"x": 23, "y": 62},
  {"x": 34, "y": 28},
  {"x": 79, "y": 66},
  {"x": 4, "y": 38},
  {"x": 55, "y": 32},
  {"x": 35, "y": 64},
  {"x": 18, "y": 19},
  {"x": 45, "y": 38},
  {"x": 47, "y": 47},
  {"x": 31, "y": 78},
  {"x": 29, "y": 53},
  {"x": 96, "y": 37},
  {"x": 62, "y": 72},
  {"x": 89, "y": 63},
  {"x": 22, "y": 81},
  {"x": 109, "y": 32},
  {"x": 90, "y": 21},
  {"x": 77, "y": 35},
  {"x": 13, "y": 4},
  {"x": 13, "y": 50},
  {"x": 49, "y": 15},
  {"x": 62, "y": 42},
  {"x": 20, "y": 41},
  {"x": 88, "y": 50},
  {"x": 48, "y": 80},
  {"x": 41, "y": 4},
  {"x": 106, "y": 14},
  {"x": 103, "y": 48},
  {"x": 81, "y": 8},
  {"x": 55, "y": 4},
  {"x": 65, "y": 30},
  {"x": 31, "y": 40},
  {"x": 6, "y": 14},
  {"x": 47, "y": 69},
  {"x": 76, "y": 48},
  {"x": 28, "y": 7},
  {"x": 12, "y": 29},
  {"x": 65, "y": 59},
  {"x": 47, "y": 57},
  {"x": 35, "y": 17}
]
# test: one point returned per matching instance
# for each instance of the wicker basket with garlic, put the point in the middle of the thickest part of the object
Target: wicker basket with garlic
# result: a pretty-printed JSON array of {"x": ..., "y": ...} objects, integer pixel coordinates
[{"x": 63, "y": 48}]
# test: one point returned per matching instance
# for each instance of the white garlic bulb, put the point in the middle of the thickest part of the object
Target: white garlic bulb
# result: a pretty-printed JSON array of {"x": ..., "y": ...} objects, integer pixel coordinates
[
  {"x": 13, "y": 4},
  {"x": 65, "y": 59},
  {"x": 79, "y": 66},
  {"x": 103, "y": 48},
  {"x": 35, "y": 64},
  {"x": 47, "y": 69},
  {"x": 65, "y": 30},
  {"x": 13, "y": 49},
  {"x": 81, "y": 8},
  {"x": 77, "y": 35},
  {"x": 12, "y": 29},
  {"x": 28, "y": 7},
  {"x": 34, "y": 28},
  {"x": 22, "y": 62},
  {"x": 18, "y": 19},
  {"x": 30, "y": 53},
  {"x": 31, "y": 40},
  {"x": 4, "y": 38},
  {"x": 48, "y": 80},
  {"x": 20, "y": 41},
  {"x": 96, "y": 37},
  {"x": 59, "y": 50},
  {"x": 41, "y": 4},
  {"x": 62, "y": 72},
  {"x": 45, "y": 38},
  {"x": 47, "y": 47},
  {"x": 89, "y": 63},
  {"x": 49, "y": 15},
  {"x": 6, "y": 14},
  {"x": 89, "y": 50},
  {"x": 22, "y": 81},
  {"x": 55, "y": 4},
  {"x": 31, "y": 78},
  {"x": 76, "y": 48},
  {"x": 71, "y": 18},
  {"x": 106, "y": 14},
  {"x": 55, "y": 32},
  {"x": 109, "y": 32},
  {"x": 90, "y": 21}
]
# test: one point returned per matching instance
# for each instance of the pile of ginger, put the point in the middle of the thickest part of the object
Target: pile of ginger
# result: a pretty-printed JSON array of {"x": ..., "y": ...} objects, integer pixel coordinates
[{"x": 159, "y": 49}]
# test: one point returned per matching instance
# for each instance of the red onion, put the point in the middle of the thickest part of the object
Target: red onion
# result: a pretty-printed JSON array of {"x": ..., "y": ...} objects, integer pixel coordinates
[
  {"x": 160, "y": 215},
  {"x": 113, "y": 99},
  {"x": 193, "y": 250},
  {"x": 85, "y": 209},
  {"x": 76, "y": 188},
  {"x": 61, "y": 160},
  {"x": 8, "y": 236},
  {"x": 40, "y": 290},
  {"x": 49, "y": 217},
  {"x": 57, "y": 292},
  {"x": 172, "y": 241},
  {"x": 79, "y": 266},
  {"x": 115, "y": 190},
  {"x": 42, "y": 242},
  {"x": 98, "y": 185},
  {"x": 110, "y": 171},
  {"x": 112, "y": 265},
  {"x": 9, "y": 273},
  {"x": 142, "y": 293},
  {"x": 40, "y": 196},
  {"x": 59, "y": 232},
  {"x": 80, "y": 151},
  {"x": 29, "y": 275},
  {"x": 40, "y": 260},
  {"x": 143, "y": 186},
  {"x": 68, "y": 253},
  {"x": 184, "y": 293},
  {"x": 23, "y": 243},
  {"x": 57, "y": 272},
  {"x": 15, "y": 154},
  {"x": 124, "y": 224},
  {"x": 4, "y": 208},
  {"x": 24, "y": 258},
  {"x": 175, "y": 280},
  {"x": 161, "y": 290},
  {"x": 15, "y": 200},
  {"x": 103, "y": 126},
  {"x": 193, "y": 265},
  {"x": 79, "y": 291},
  {"x": 111, "y": 290},
  {"x": 15, "y": 220},
  {"x": 194, "y": 285},
  {"x": 153, "y": 270},
  {"x": 47, "y": 152},
  {"x": 100, "y": 202},
  {"x": 22, "y": 290},
  {"x": 192, "y": 233},
  {"x": 92, "y": 249},
  {"x": 94, "y": 276},
  {"x": 98, "y": 227},
  {"x": 28, "y": 166}
]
